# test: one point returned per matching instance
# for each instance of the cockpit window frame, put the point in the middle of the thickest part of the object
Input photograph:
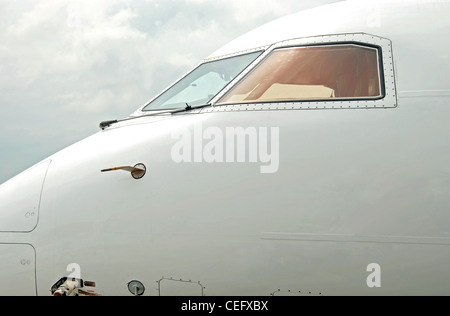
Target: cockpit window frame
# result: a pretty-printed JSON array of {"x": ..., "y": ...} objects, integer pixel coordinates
[
  {"x": 261, "y": 50},
  {"x": 335, "y": 45},
  {"x": 388, "y": 98}
]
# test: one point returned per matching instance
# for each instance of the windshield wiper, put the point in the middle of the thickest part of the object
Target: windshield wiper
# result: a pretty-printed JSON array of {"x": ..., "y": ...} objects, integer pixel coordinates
[
  {"x": 106, "y": 124},
  {"x": 189, "y": 108}
]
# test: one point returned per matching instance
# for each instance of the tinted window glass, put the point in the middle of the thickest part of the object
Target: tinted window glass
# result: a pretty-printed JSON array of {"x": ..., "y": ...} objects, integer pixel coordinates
[{"x": 311, "y": 73}]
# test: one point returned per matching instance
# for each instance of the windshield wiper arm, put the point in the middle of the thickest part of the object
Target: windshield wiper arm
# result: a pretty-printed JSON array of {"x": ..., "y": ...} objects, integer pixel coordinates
[
  {"x": 189, "y": 108},
  {"x": 106, "y": 124}
]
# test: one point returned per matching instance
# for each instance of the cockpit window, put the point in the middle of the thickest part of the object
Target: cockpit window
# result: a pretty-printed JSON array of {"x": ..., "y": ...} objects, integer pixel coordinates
[
  {"x": 202, "y": 84},
  {"x": 326, "y": 72}
]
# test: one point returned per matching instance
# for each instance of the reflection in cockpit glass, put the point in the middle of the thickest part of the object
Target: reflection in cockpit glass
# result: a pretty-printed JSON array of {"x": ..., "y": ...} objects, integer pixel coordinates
[
  {"x": 326, "y": 72},
  {"x": 202, "y": 84}
]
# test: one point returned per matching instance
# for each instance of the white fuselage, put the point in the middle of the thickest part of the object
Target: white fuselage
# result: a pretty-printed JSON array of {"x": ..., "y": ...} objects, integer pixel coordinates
[{"x": 349, "y": 190}]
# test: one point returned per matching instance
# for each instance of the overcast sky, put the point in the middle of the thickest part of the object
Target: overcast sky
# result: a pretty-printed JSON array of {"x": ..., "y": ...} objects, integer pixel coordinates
[{"x": 67, "y": 65}]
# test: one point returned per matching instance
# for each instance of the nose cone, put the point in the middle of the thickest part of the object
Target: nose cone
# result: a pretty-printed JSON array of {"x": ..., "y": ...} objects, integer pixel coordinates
[{"x": 20, "y": 199}]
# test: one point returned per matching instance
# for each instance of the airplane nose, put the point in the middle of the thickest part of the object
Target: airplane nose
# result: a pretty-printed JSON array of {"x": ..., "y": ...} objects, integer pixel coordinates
[{"x": 20, "y": 199}]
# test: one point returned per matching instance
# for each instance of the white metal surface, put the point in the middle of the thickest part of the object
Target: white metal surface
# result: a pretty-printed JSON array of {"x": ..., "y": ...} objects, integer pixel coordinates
[
  {"x": 17, "y": 274},
  {"x": 354, "y": 187},
  {"x": 20, "y": 199}
]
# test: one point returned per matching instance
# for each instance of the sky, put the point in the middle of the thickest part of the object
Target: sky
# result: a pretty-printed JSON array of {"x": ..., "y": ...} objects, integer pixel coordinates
[{"x": 67, "y": 65}]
